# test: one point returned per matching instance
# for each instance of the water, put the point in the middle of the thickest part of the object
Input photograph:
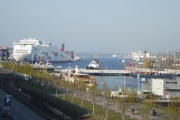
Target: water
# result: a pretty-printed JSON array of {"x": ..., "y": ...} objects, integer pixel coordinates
[{"x": 105, "y": 63}]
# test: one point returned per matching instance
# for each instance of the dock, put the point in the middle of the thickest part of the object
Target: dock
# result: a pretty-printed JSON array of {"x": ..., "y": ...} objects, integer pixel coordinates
[
  {"x": 174, "y": 72},
  {"x": 105, "y": 72}
]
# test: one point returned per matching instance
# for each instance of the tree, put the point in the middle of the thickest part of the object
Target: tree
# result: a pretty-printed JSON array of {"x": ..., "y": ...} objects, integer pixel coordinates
[
  {"x": 82, "y": 88},
  {"x": 116, "y": 98},
  {"x": 107, "y": 92},
  {"x": 146, "y": 108},
  {"x": 92, "y": 91},
  {"x": 131, "y": 99},
  {"x": 131, "y": 96},
  {"x": 174, "y": 109}
]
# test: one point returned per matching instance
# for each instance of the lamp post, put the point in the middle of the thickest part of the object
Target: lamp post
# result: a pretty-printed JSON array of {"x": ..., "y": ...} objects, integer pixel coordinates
[
  {"x": 138, "y": 77},
  {"x": 123, "y": 63}
]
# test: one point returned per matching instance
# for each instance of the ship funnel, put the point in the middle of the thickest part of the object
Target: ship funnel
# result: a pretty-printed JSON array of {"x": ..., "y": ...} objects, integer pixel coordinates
[{"x": 62, "y": 47}]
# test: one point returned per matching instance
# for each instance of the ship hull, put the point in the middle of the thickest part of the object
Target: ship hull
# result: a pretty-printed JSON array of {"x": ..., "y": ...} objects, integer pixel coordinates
[{"x": 29, "y": 58}]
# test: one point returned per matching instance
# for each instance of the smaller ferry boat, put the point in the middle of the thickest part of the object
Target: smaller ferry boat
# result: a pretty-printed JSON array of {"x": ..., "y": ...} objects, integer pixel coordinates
[
  {"x": 94, "y": 65},
  {"x": 95, "y": 69},
  {"x": 114, "y": 55}
]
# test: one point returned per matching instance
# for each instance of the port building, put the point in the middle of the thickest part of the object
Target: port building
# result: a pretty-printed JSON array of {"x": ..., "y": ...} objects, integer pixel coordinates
[{"x": 162, "y": 87}]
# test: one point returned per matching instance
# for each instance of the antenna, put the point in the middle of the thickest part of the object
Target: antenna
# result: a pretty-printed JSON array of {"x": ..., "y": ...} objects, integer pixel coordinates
[{"x": 95, "y": 55}]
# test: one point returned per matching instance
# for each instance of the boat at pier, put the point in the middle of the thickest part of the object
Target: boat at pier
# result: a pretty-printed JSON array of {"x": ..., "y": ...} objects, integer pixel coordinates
[
  {"x": 94, "y": 65},
  {"x": 74, "y": 76}
]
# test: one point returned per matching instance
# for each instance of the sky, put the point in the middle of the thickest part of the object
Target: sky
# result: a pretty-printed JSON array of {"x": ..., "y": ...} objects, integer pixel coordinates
[{"x": 106, "y": 26}]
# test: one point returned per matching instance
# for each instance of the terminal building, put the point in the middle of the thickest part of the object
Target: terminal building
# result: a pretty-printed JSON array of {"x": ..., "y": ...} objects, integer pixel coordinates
[{"x": 162, "y": 87}]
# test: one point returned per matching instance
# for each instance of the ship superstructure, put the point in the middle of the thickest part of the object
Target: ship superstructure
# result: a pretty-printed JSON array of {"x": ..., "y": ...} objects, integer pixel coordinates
[{"x": 33, "y": 50}]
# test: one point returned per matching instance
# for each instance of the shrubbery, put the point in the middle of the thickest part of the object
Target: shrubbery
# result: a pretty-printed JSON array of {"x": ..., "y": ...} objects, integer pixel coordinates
[{"x": 21, "y": 68}]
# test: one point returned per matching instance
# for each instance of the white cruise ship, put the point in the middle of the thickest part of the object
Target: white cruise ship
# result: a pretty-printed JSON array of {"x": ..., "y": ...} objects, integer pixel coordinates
[{"x": 33, "y": 50}]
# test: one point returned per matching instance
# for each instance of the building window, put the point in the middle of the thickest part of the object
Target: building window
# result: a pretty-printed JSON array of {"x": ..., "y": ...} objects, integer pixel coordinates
[{"x": 175, "y": 82}]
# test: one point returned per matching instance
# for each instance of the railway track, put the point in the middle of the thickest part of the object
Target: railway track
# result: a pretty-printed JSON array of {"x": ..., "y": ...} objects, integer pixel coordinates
[
  {"x": 47, "y": 108},
  {"x": 54, "y": 104},
  {"x": 35, "y": 105}
]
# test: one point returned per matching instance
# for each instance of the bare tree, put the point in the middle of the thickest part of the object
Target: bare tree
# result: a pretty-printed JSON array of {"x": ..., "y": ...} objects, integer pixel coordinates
[
  {"x": 174, "y": 109},
  {"x": 107, "y": 92}
]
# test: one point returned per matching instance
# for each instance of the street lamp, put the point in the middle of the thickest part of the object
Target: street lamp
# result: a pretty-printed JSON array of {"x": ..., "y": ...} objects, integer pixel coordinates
[
  {"x": 138, "y": 77},
  {"x": 123, "y": 63}
]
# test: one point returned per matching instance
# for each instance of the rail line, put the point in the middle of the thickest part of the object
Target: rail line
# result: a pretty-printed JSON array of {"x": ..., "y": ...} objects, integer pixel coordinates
[
  {"x": 51, "y": 104},
  {"x": 44, "y": 112},
  {"x": 45, "y": 107}
]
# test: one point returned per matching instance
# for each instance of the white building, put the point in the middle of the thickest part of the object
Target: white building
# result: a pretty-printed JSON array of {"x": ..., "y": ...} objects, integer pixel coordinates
[
  {"x": 158, "y": 87},
  {"x": 139, "y": 55},
  {"x": 163, "y": 87}
]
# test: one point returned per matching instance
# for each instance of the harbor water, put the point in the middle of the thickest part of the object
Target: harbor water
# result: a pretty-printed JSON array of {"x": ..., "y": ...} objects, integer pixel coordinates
[{"x": 105, "y": 63}]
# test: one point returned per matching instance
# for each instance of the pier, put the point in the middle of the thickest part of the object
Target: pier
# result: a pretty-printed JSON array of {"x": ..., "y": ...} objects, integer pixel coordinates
[
  {"x": 105, "y": 72},
  {"x": 47, "y": 67}
]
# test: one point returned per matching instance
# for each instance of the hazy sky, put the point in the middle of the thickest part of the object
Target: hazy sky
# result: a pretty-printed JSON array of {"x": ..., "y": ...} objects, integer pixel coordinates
[{"x": 111, "y": 26}]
